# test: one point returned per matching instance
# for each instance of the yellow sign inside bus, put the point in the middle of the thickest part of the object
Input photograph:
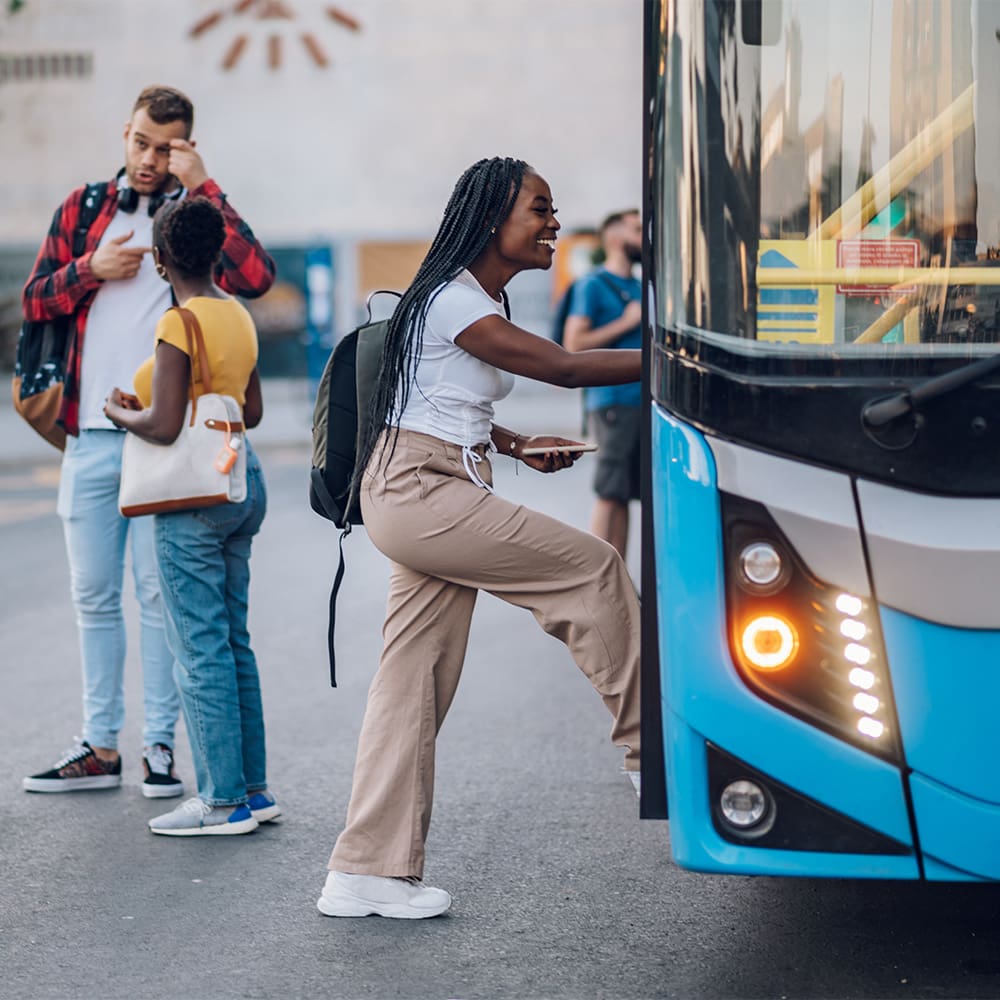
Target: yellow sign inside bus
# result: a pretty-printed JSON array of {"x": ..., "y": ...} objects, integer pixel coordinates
[{"x": 795, "y": 313}]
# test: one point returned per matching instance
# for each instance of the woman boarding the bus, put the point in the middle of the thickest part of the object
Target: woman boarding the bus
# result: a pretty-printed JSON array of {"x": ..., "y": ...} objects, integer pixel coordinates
[{"x": 426, "y": 496}]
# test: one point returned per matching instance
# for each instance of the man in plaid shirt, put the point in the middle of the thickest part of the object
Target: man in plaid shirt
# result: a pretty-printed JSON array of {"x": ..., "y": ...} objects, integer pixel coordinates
[{"x": 115, "y": 297}]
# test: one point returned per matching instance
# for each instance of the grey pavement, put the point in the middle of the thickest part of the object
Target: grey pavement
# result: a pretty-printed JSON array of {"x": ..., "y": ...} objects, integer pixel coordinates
[{"x": 560, "y": 890}]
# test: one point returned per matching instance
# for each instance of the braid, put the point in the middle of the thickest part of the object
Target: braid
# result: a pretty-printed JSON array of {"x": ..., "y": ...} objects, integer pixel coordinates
[{"x": 479, "y": 204}]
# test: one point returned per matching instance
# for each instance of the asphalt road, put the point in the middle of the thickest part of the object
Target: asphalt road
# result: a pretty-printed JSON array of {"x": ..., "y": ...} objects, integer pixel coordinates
[{"x": 560, "y": 890}]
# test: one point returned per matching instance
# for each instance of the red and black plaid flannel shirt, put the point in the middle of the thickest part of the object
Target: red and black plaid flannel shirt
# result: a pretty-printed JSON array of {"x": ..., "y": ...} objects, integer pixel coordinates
[{"x": 62, "y": 286}]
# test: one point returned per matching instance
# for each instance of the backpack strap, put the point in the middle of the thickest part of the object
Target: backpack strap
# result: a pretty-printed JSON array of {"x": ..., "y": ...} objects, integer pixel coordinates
[
  {"x": 602, "y": 276},
  {"x": 90, "y": 208},
  {"x": 337, "y": 580}
]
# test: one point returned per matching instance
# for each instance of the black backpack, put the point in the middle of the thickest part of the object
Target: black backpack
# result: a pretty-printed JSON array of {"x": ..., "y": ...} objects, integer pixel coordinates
[
  {"x": 40, "y": 359},
  {"x": 562, "y": 307},
  {"x": 342, "y": 403}
]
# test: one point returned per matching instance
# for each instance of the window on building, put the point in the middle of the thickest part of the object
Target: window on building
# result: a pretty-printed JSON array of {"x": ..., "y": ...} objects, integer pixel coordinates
[{"x": 45, "y": 66}]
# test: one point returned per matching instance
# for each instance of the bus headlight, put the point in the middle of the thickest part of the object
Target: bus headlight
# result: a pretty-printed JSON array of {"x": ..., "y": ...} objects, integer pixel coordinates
[
  {"x": 761, "y": 565},
  {"x": 811, "y": 649}
]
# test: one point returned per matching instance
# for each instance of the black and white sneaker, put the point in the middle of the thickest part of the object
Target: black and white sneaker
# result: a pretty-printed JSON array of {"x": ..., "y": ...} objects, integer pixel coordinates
[
  {"x": 79, "y": 770},
  {"x": 160, "y": 782}
]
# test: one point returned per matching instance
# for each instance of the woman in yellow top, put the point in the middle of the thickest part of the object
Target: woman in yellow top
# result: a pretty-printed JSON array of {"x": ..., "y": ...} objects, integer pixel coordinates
[{"x": 203, "y": 555}]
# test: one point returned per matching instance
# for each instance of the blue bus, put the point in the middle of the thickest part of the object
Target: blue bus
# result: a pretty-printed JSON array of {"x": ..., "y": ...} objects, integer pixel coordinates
[{"x": 821, "y": 533}]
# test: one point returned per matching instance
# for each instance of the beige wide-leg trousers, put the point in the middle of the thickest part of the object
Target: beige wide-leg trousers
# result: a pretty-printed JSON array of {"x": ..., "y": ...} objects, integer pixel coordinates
[{"x": 447, "y": 539}]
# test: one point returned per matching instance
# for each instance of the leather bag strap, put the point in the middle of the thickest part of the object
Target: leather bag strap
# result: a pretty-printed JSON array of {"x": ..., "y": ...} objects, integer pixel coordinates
[
  {"x": 195, "y": 341},
  {"x": 192, "y": 328}
]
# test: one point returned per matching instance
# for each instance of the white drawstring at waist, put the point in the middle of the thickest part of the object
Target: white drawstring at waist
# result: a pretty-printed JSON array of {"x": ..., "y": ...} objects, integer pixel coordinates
[{"x": 470, "y": 459}]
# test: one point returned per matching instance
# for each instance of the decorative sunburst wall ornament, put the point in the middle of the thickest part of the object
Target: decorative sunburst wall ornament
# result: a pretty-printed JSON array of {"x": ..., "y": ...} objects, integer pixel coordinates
[{"x": 272, "y": 10}]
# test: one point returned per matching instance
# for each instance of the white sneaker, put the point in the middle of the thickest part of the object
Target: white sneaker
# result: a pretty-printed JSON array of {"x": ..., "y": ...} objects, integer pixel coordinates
[
  {"x": 347, "y": 895},
  {"x": 262, "y": 807},
  {"x": 636, "y": 778},
  {"x": 196, "y": 818}
]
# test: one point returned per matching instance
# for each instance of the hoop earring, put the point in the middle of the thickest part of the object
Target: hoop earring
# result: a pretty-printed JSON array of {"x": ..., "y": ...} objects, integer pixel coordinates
[{"x": 160, "y": 269}]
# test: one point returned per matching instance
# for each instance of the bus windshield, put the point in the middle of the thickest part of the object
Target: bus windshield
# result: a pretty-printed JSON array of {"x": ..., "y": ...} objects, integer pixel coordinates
[{"x": 832, "y": 183}]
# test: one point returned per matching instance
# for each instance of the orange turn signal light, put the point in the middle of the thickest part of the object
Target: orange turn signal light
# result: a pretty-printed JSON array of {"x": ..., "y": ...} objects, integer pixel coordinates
[{"x": 768, "y": 642}]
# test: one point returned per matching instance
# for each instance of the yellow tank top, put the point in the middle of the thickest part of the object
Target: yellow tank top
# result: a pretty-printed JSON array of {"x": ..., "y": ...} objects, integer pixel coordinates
[{"x": 230, "y": 344}]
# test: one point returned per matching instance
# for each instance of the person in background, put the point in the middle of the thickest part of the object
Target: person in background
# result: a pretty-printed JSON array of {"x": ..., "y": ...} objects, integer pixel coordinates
[
  {"x": 606, "y": 311},
  {"x": 204, "y": 555},
  {"x": 114, "y": 298},
  {"x": 426, "y": 495}
]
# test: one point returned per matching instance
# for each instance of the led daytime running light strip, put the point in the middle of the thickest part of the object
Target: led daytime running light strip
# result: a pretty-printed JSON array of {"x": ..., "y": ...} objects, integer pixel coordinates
[{"x": 858, "y": 656}]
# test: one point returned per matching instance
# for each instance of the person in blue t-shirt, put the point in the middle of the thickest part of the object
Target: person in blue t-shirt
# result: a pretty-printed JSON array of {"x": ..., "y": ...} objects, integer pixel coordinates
[{"x": 605, "y": 311}]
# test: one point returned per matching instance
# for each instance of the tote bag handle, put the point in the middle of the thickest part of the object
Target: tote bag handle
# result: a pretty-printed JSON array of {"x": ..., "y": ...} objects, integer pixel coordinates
[{"x": 195, "y": 341}]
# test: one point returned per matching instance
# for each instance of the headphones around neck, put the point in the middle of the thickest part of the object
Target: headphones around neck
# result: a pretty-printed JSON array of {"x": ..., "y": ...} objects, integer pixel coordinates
[{"x": 128, "y": 197}]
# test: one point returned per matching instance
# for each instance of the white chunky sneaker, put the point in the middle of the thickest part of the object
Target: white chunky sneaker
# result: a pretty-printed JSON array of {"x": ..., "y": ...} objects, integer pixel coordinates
[
  {"x": 347, "y": 895},
  {"x": 636, "y": 778}
]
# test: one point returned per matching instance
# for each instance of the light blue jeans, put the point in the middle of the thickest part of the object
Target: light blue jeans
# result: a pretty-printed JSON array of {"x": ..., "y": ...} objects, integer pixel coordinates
[
  {"x": 96, "y": 537},
  {"x": 204, "y": 562}
]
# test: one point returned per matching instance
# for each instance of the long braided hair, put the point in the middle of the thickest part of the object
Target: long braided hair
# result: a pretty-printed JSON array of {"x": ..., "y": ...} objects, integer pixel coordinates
[{"x": 481, "y": 201}]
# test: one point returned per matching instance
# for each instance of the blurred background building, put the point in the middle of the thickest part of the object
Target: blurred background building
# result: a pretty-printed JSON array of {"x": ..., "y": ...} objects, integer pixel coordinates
[{"x": 338, "y": 130}]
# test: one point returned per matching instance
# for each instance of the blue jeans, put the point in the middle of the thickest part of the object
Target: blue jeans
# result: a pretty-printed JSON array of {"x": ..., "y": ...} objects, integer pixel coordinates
[
  {"x": 96, "y": 537},
  {"x": 204, "y": 561}
]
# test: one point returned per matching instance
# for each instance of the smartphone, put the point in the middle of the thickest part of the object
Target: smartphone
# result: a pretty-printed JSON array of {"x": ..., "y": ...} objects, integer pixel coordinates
[{"x": 566, "y": 449}]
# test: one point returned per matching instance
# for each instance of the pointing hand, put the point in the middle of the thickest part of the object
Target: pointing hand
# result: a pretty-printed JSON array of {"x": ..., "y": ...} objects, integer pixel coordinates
[{"x": 113, "y": 261}]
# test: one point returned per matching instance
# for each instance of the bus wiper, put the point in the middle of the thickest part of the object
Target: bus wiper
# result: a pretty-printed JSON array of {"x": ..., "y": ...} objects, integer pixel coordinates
[{"x": 879, "y": 412}]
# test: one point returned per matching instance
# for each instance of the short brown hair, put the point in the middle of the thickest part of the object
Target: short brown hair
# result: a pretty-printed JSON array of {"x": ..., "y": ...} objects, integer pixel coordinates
[
  {"x": 165, "y": 104},
  {"x": 615, "y": 217}
]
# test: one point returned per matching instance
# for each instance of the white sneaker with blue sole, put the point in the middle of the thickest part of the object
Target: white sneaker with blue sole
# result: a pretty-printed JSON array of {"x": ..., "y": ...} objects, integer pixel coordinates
[
  {"x": 263, "y": 807},
  {"x": 196, "y": 818}
]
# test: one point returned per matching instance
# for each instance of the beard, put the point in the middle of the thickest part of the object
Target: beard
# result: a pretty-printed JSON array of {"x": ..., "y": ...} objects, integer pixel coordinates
[{"x": 634, "y": 252}]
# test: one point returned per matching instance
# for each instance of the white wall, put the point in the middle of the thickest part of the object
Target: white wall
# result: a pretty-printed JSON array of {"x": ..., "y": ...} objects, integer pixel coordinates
[{"x": 368, "y": 147}]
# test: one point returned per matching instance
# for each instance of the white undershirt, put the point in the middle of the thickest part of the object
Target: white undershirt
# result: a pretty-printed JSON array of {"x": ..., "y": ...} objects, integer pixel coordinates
[
  {"x": 453, "y": 392},
  {"x": 121, "y": 322}
]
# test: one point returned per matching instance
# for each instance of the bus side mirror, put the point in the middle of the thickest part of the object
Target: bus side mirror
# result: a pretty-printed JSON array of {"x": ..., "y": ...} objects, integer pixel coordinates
[{"x": 760, "y": 22}]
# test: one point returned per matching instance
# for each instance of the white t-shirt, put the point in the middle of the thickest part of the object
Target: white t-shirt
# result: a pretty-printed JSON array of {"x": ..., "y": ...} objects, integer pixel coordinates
[
  {"x": 121, "y": 322},
  {"x": 453, "y": 392}
]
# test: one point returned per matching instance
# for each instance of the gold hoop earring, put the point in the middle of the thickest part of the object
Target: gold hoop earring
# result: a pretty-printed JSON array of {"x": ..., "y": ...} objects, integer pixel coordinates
[{"x": 160, "y": 269}]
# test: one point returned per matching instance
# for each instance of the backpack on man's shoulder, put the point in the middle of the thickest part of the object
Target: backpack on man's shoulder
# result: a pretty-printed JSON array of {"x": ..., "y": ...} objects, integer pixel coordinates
[
  {"x": 42, "y": 347},
  {"x": 561, "y": 313},
  {"x": 342, "y": 403}
]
